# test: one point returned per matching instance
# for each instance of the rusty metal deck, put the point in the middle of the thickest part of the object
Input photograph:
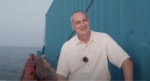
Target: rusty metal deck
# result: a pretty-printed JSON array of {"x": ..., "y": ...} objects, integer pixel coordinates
[{"x": 40, "y": 72}]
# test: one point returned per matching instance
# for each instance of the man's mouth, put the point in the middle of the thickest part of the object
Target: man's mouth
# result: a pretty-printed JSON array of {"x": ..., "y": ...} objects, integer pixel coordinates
[{"x": 84, "y": 28}]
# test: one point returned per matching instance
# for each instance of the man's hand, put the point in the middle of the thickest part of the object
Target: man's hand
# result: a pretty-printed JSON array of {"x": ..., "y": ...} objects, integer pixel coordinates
[
  {"x": 128, "y": 70},
  {"x": 61, "y": 78}
]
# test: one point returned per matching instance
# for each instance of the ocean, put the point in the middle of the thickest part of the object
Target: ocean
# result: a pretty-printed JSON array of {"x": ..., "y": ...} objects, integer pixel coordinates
[{"x": 12, "y": 61}]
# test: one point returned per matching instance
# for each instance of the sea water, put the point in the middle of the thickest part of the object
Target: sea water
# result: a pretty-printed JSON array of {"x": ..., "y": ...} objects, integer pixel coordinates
[{"x": 12, "y": 61}]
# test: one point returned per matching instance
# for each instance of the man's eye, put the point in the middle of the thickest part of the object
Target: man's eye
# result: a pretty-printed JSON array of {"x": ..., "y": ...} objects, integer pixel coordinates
[
  {"x": 77, "y": 22},
  {"x": 84, "y": 20}
]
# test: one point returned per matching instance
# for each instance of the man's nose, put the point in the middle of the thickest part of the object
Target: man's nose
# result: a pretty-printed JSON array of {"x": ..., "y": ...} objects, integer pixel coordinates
[{"x": 82, "y": 24}]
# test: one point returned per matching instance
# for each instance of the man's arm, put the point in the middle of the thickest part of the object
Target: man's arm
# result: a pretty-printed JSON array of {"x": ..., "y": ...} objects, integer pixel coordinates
[
  {"x": 61, "y": 78},
  {"x": 63, "y": 65},
  {"x": 128, "y": 70}
]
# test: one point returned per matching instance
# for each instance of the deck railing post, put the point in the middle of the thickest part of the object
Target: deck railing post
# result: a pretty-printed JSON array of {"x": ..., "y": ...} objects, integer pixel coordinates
[{"x": 30, "y": 68}]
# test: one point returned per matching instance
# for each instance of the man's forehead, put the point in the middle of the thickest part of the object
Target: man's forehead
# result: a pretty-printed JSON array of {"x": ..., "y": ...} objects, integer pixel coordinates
[{"x": 78, "y": 15}]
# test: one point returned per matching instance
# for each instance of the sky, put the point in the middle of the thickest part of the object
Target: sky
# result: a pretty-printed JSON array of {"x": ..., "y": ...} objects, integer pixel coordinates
[{"x": 22, "y": 22}]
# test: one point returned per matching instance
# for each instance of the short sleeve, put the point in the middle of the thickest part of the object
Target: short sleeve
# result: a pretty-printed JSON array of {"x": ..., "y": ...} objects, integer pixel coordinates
[
  {"x": 62, "y": 67},
  {"x": 115, "y": 53}
]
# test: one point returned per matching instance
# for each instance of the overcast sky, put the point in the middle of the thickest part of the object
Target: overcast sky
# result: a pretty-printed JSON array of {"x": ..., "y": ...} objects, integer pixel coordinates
[{"x": 22, "y": 22}]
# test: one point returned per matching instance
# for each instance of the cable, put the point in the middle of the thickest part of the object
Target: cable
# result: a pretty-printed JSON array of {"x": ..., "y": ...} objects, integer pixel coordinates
[{"x": 59, "y": 53}]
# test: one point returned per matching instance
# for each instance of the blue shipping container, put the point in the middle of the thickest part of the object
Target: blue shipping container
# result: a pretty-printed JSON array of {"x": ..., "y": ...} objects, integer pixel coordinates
[{"x": 126, "y": 21}]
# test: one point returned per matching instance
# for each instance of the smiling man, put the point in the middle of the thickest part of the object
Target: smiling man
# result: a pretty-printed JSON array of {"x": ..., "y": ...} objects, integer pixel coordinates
[{"x": 85, "y": 55}]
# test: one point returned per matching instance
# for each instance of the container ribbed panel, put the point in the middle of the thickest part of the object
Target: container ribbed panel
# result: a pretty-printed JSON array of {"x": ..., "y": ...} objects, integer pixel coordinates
[{"x": 126, "y": 21}]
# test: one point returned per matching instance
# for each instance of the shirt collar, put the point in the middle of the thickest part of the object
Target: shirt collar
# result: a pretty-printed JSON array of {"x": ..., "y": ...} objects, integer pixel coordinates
[{"x": 92, "y": 38}]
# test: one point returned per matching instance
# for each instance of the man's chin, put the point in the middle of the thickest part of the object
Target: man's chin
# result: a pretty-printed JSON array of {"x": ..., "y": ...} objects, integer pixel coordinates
[{"x": 84, "y": 34}]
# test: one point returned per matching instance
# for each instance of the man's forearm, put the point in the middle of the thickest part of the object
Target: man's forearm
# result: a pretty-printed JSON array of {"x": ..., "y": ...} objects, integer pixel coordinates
[
  {"x": 128, "y": 70},
  {"x": 61, "y": 78}
]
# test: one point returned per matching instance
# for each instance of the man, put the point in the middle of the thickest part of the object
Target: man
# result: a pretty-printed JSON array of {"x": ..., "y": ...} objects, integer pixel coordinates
[{"x": 85, "y": 55}]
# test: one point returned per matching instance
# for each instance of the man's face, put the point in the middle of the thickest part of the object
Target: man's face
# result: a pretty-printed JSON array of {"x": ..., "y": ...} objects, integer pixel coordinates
[{"x": 80, "y": 23}]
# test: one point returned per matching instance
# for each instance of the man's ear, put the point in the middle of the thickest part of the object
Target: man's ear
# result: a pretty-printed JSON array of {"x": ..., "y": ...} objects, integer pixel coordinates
[{"x": 72, "y": 26}]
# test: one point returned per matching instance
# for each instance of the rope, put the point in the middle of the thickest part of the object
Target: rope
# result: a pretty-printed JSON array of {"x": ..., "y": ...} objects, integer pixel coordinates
[{"x": 68, "y": 39}]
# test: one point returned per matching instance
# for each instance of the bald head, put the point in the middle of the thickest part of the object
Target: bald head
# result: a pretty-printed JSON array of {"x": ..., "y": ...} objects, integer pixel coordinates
[{"x": 71, "y": 18}]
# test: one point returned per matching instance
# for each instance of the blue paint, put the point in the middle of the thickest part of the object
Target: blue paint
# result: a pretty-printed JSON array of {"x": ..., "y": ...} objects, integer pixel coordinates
[
  {"x": 38, "y": 53},
  {"x": 126, "y": 21}
]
